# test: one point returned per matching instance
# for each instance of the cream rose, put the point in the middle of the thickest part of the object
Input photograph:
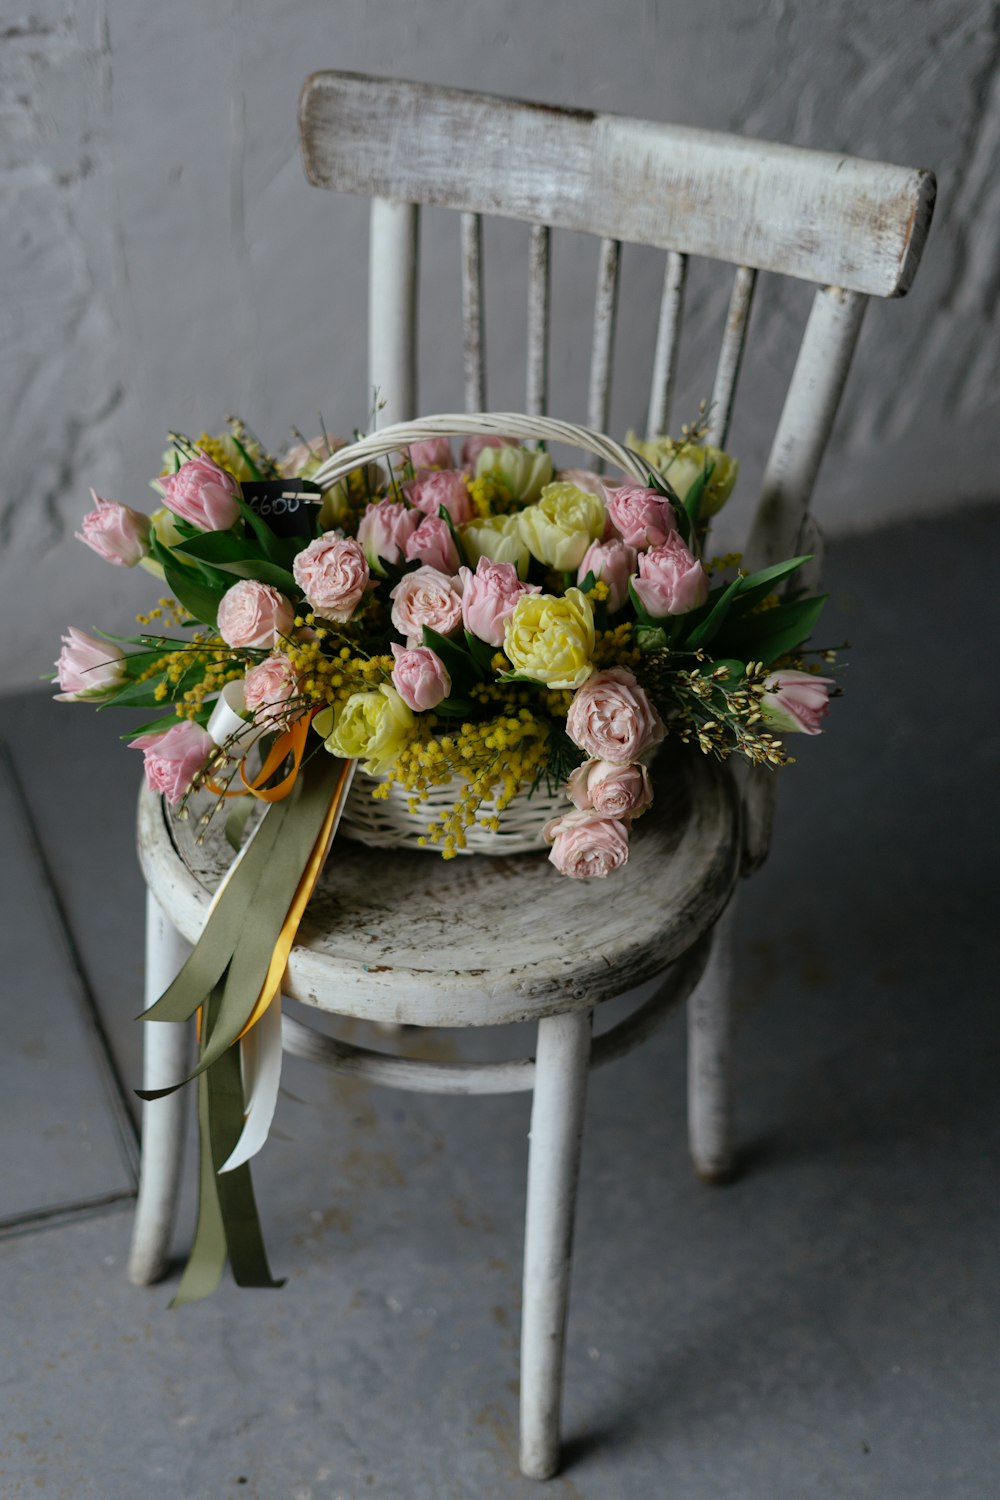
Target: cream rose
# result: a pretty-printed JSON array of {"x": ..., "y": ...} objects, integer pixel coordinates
[
  {"x": 370, "y": 727},
  {"x": 551, "y": 639},
  {"x": 560, "y": 528}
]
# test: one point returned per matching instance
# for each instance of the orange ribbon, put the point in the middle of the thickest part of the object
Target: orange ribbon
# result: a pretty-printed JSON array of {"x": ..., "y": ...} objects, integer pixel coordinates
[{"x": 291, "y": 742}]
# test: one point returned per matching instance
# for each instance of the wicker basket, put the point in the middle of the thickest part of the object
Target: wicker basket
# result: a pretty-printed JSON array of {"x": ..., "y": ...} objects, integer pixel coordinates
[{"x": 389, "y": 823}]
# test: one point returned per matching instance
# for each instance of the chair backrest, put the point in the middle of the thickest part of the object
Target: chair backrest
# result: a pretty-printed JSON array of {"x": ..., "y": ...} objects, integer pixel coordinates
[{"x": 854, "y": 228}]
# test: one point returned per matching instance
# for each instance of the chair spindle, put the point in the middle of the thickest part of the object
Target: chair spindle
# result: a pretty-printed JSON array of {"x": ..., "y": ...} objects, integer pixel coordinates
[
  {"x": 605, "y": 310},
  {"x": 392, "y": 322},
  {"x": 473, "y": 332},
  {"x": 539, "y": 287},
  {"x": 668, "y": 335},
  {"x": 731, "y": 355}
]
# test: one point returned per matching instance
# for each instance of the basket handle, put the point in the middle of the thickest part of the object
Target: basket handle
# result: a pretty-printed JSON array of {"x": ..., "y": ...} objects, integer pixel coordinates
[{"x": 498, "y": 424}]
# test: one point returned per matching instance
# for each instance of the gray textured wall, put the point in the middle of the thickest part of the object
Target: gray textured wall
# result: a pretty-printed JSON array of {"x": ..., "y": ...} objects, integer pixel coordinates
[{"x": 164, "y": 261}]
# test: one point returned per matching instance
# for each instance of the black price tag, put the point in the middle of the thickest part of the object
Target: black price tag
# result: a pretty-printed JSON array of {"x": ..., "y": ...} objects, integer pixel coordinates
[{"x": 287, "y": 505}]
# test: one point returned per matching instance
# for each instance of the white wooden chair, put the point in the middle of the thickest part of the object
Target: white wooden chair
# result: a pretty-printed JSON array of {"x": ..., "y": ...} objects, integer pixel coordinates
[{"x": 856, "y": 229}]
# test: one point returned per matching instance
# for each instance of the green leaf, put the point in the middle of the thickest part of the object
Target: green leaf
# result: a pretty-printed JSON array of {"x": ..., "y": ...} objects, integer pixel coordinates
[
  {"x": 774, "y": 632},
  {"x": 706, "y": 630},
  {"x": 199, "y": 598},
  {"x": 641, "y": 612},
  {"x": 445, "y": 516},
  {"x": 135, "y": 695},
  {"x": 462, "y": 667},
  {"x": 218, "y": 547},
  {"x": 153, "y": 726},
  {"x": 270, "y": 544},
  {"x": 757, "y": 586},
  {"x": 481, "y": 652},
  {"x": 692, "y": 500},
  {"x": 455, "y": 708}
]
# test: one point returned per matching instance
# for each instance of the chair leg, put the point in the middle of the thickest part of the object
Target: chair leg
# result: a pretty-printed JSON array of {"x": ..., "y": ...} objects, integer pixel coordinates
[
  {"x": 710, "y": 1027},
  {"x": 166, "y": 1058},
  {"x": 561, "y": 1063}
]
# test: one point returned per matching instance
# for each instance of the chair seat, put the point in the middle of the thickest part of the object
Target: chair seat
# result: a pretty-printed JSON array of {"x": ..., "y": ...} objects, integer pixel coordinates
[{"x": 401, "y": 936}]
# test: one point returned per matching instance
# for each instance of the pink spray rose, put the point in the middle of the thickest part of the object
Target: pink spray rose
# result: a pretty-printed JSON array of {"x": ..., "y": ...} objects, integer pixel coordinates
[
  {"x": 254, "y": 614},
  {"x": 115, "y": 532},
  {"x": 796, "y": 702},
  {"x": 87, "y": 666},
  {"x": 613, "y": 562},
  {"x": 384, "y": 530},
  {"x": 443, "y": 487},
  {"x": 419, "y": 677},
  {"x": 267, "y": 688},
  {"x": 173, "y": 757},
  {"x": 473, "y": 446},
  {"x": 670, "y": 581},
  {"x": 641, "y": 517},
  {"x": 586, "y": 846},
  {"x": 425, "y": 597},
  {"x": 432, "y": 543},
  {"x": 431, "y": 453},
  {"x": 611, "y": 718},
  {"x": 202, "y": 493},
  {"x": 489, "y": 596},
  {"x": 333, "y": 575},
  {"x": 612, "y": 791}
]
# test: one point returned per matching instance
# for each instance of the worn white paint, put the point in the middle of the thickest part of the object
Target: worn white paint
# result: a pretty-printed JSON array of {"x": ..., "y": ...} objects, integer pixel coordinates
[
  {"x": 668, "y": 338},
  {"x": 394, "y": 322},
  {"x": 710, "y": 1062}
]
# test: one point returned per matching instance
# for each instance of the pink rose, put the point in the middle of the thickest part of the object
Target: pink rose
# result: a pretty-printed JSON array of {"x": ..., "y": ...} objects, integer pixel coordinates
[
  {"x": 202, "y": 493},
  {"x": 420, "y": 677},
  {"x": 670, "y": 581},
  {"x": 267, "y": 689},
  {"x": 489, "y": 596},
  {"x": 796, "y": 702},
  {"x": 444, "y": 487},
  {"x": 173, "y": 757},
  {"x": 115, "y": 532},
  {"x": 87, "y": 667},
  {"x": 432, "y": 543},
  {"x": 425, "y": 597},
  {"x": 585, "y": 846},
  {"x": 612, "y": 791},
  {"x": 611, "y": 718},
  {"x": 254, "y": 614},
  {"x": 333, "y": 575},
  {"x": 383, "y": 532},
  {"x": 431, "y": 453},
  {"x": 473, "y": 446},
  {"x": 641, "y": 517},
  {"x": 613, "y": 562}
]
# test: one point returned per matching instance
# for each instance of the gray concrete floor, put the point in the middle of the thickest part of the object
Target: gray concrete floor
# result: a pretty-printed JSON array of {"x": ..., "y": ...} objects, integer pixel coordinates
[{"x": 828, "y": 1326}]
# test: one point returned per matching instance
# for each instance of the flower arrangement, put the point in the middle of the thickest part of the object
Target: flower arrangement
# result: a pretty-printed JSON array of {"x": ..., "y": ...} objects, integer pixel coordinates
[
  {"x": 486, "y": 625},
  {"x": 471, "y": 633}
]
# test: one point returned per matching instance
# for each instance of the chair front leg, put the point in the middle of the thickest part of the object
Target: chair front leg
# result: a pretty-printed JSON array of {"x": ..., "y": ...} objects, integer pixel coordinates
[
  {"x": 561, "y": 1063},
  {"x": 710, "y": 1050},
  {"x": 166, "y": 1058}
]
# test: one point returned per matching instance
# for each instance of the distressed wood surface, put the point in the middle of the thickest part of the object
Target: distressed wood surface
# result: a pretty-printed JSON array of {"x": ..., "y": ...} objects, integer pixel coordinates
[
  {"x": 381, "y": 940},
  {"x": 473, "y": 322},
  {"x": 392, "y": 310},
  {"x": 734, "y": 340},
  {"x": 817, "y": 215},
  {"x": 602, "y": 349},
  {"x": 805, "y": 424},
  {"x": 539, "y": 291},
  {"x": 668, "y": 337}
]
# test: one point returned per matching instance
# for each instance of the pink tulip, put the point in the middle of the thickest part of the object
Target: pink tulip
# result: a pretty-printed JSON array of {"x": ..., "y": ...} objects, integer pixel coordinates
[
  {"x": 202, "y": 493},
  {"x": 613, "y": 562},
  {"x": 489, "y": 596},
  {"x": 671, "y": 581},
  {"x": 115, "y": 532},
  {"x": 384, "y": 530},
  {"x": 432, "y": 543},
  {"x": 419, "y": 677},
  {"x": 796, "y": 702},
  {"x": 447, "y": 488},
  {"x": 173, "y": 757},
  {"x": 87, "y": 667}
]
